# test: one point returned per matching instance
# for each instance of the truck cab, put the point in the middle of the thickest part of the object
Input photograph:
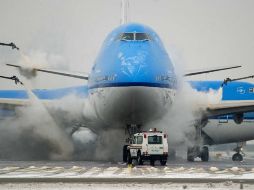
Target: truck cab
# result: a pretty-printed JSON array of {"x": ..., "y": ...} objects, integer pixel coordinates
[{"x": 150, "y": 146}]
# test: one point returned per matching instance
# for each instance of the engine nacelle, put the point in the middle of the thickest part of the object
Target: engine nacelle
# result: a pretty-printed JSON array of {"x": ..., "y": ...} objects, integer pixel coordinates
[{"x": 238, "y": 118}]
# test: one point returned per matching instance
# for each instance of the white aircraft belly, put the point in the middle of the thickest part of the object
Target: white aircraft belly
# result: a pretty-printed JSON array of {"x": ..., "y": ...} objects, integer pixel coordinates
[
  {"x": 130, "y": 105},
  {"x": 228, "y": 131}
]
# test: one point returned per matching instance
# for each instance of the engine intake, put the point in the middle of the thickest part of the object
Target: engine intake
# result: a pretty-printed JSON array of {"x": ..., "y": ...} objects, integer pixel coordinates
[{"x": 238, "y": 118}]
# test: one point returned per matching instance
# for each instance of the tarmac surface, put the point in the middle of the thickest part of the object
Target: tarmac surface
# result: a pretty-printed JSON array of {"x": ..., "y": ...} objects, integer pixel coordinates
[{"x": 221, "y": 173}]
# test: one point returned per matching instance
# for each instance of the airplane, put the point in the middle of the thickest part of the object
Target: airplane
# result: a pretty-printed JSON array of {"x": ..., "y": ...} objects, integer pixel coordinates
[{"x": 133, "y": 82}]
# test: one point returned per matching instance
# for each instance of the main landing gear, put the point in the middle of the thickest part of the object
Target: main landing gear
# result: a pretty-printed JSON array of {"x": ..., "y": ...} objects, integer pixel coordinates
[
  {"x": 196, "y": 150},
  {"x": 238, "y": 156}
]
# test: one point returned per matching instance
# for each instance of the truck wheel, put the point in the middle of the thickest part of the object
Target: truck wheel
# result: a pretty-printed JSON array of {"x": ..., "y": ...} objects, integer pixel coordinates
[
  {"x": 125, "y": 153},
  {"x": 129, "y": 159},
  {"x": 152, "y": 162},
  {"x": 163, "y": 162},
  {"x": 139, "y": 159}
]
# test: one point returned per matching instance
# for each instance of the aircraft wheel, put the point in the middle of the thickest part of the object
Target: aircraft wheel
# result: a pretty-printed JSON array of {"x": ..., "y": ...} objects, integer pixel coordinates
[
  {"x": 204, "y": 154},
  {"x": 237, "y": 157}
]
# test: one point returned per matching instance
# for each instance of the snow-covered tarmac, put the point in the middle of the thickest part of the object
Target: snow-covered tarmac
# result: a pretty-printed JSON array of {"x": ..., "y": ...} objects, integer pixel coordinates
[
  {"x": 220, "y": 174},
  {"x": 123, "y": 173},
  {"x": 129, "y": 186}
]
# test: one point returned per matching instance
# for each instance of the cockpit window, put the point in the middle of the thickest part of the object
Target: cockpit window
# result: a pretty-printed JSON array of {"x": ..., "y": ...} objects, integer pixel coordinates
[
  {"x": 127, "y": 36},
  {"x": 134, "y": 37},
  {"x": 142, "y": 36}
]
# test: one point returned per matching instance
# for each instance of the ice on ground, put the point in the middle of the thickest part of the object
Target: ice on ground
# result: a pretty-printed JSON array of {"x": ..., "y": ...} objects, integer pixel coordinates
[
  {"x": 120, "y": 171},
  {"x": 129, "y": 186},
  {"x": 213, "y": 169}
]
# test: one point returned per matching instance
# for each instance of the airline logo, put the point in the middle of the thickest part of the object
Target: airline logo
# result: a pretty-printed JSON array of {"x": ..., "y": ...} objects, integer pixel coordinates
[{"x": 241, "y": 90}]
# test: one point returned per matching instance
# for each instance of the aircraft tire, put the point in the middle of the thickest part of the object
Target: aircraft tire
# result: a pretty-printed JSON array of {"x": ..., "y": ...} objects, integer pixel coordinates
[
  {"x": 204, "y": 154},
  {"x": 237, "y": 157},
  {"x": 190, "y": 157}
]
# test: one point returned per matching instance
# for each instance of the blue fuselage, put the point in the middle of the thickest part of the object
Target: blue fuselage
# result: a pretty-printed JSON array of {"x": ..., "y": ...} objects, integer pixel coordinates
[{"x": 132, "y": 61}]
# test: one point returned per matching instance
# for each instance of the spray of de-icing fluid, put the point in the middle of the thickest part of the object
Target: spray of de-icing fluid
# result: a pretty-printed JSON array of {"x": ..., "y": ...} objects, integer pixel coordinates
[{"x": 41, "y": 130}]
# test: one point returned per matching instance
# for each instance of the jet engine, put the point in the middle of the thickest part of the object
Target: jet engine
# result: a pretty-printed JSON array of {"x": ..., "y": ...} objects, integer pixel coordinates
[{"x": 238, "y": 118}]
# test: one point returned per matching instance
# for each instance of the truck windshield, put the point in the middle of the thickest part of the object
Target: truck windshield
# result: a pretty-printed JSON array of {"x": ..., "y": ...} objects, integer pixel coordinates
[{"x": 155, "y": 139}]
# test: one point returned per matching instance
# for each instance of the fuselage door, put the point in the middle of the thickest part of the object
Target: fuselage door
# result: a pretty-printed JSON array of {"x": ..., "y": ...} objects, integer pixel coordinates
[{"x": 223, "y": 119}]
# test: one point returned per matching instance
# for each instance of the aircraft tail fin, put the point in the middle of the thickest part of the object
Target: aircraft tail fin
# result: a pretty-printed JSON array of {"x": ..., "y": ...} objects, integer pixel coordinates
[{"x": 124, "y": 11}]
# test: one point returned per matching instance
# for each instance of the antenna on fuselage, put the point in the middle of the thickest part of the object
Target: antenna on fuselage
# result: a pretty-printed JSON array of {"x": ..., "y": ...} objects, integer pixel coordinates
[{"x": 124, "y": 11}]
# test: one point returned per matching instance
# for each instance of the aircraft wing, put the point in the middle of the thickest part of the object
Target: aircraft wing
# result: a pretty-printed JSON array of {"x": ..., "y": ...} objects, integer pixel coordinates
[
  {"x": 10, "y": 107},
  {"x": 191, "y": 73},
  {"x": 7, "y": 105},
  {"x": 229, "y": 107},
  {"x": 11, "y": 102},
  {"x": 14, "y": 98},
  {"x": 51, "y": 71}
]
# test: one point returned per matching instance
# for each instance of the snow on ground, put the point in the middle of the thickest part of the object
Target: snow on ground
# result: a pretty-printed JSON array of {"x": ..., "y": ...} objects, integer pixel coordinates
[
  {"x": 129, "y": 186},
  {"x": 218, "y": 174},
  {"x": 120, "y": 171}
]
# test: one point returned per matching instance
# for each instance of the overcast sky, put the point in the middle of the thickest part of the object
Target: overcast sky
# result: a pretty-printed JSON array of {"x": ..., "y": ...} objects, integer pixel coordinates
[{"x": 68, "y": 34}]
